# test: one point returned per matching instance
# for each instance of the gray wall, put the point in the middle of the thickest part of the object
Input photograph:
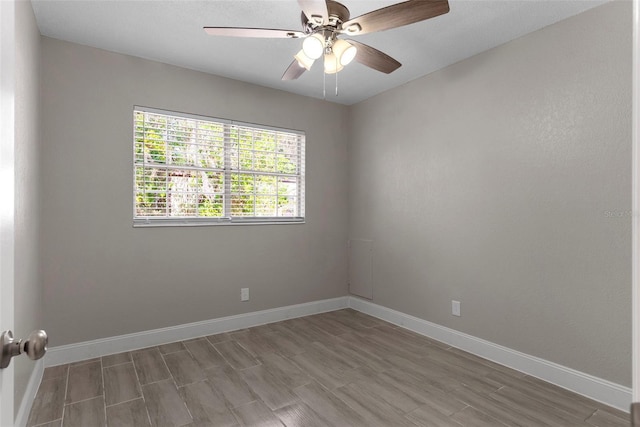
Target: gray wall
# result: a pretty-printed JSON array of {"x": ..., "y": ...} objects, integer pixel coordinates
[
  {"x": 104, "y": 278},
  {"x": 489, "y": 181},
  {"x": 28, "y": 286}
]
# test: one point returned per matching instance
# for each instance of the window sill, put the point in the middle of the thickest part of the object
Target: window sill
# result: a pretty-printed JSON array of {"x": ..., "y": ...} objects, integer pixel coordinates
[{"x": 142, "y": 223}]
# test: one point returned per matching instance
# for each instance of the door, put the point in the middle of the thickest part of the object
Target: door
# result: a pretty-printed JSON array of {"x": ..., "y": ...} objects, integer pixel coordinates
[
  {"x": 7, "y": 174},
  {"x": 635, "y": 408}
]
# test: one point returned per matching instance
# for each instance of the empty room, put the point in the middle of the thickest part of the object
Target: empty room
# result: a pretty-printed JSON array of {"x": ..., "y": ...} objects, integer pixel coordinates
[{"x": 318, "y": 213}]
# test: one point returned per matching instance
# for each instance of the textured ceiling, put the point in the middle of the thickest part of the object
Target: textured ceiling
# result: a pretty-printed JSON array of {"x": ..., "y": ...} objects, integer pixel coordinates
[{"x": 171, "y": 32}]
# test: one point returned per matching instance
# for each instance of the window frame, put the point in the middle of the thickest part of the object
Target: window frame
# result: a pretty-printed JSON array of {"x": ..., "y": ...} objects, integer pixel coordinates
[{"x": 227, "y": 170}]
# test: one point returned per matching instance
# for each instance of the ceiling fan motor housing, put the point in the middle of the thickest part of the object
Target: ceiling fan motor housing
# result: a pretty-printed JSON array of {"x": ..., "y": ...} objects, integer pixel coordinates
[{"x": 338, "y": 13}]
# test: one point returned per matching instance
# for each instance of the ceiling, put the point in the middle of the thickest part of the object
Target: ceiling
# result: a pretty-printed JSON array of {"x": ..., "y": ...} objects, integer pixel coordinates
[{"x": 171, "y": 32}]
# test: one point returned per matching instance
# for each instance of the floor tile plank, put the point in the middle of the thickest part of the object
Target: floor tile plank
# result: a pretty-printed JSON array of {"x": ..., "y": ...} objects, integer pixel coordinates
[
  {"x": 523, "y": 404},
  {"x": 206, "y": 405},
  {"x": 205, "y": 354},
  {"x": 427, "y": 372},
  {"x": 165, "y": 406},
  {"x": 558, "y": 393},
  {"x": 231, "y": 386},
  {"x": 288, "y": 339},
  {"x": 471, "y": 417},
  {"x": 422, "y": 391},
  {"x": 549, "y": 394},
  {"x": 286, "y": 371},
  {"x": 344, "y": 345},
  {"x": 116, "y": 359},
  {"x": 150, "y": 366},
  {"x": 494, "y": 366},
  {"x": 300, "y": 415},
  {"x": 256, "y": 414},
  {"x": 401, "y": 401},
  {"x": 82, "y": 362},
  {"x": 55, "y": 423},
  {"x": 329, "y": 406},
  {"x": 85, "y": 413},
  {"x": 55, "y": 372},
  {"x": 329, "y": 325},
  {"x": 255, "y": 343},
  {"x": 128, "y": 414},
  {"x": 606, "y": 419},
  {"x": 360, "y": 318},
  {"x": 426, "y": 416},
  {"x": 171, "y": 347},
  {"x": 309, "y": 331},
  {"x": 235, "y": 355},
  {"x": 284, "y": 343},
  {"x": 183, "y": 367},
  {"x": 120, "y": 384},
  {"x": 49, "y": 401},
  {"x": 85, "y": 381},
  {"x": 273, "y": 391},
  {"x": 374, "y": 410},
  {"x": 496, "y": 409},
  {"x": 222, "y": 337},
  {"x": 322, "y": 369}
]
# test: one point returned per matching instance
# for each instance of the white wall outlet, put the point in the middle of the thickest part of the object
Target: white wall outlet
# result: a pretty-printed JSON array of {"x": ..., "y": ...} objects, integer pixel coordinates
[
  {"x": 455, "y": 308},
  {"x": 244, "y": 294}
]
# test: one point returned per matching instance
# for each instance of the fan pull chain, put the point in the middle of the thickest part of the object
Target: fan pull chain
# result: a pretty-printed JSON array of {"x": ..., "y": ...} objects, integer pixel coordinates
[{"x": 324, "y": 85}]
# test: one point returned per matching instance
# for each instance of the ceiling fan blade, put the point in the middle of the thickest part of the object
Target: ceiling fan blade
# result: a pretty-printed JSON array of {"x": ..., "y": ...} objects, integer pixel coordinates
[
  {"x": 253, "y": 32},
  {"x": 294, "y": 71},
  {"x": 394, "y": 16},
  {"x": 315, "y": 10},
  {"x": 375, "y": 59}
]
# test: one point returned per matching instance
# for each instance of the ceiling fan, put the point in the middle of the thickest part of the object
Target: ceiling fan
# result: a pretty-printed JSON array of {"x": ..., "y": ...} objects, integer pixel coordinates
[{"x": 323, "y": 21}]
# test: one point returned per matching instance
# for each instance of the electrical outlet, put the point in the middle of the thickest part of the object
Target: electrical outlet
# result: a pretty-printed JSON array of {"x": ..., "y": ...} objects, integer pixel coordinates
[
  {"x": 244, "y": 294},
  {"x": 455, "y": 308}
]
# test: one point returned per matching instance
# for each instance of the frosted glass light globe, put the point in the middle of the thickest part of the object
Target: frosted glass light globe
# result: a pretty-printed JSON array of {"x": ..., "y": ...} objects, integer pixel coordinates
[
  {"x": 304, "y": 60},
  {"x": 344, "y": 51},
  {"x": 331, "y": 64},
  {"x": 313, "y": 46}
]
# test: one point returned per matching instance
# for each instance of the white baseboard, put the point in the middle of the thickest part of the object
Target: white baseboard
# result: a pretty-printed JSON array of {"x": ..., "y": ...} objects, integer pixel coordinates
[
  {"x": 30, "y": 394},
  {"x": 587, "y": 385},
  {"x": 105, "y": 346}
]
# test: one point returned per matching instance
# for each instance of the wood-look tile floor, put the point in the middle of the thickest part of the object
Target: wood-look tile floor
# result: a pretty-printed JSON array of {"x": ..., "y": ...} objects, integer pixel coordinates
[{"x": 342, "y": 368}]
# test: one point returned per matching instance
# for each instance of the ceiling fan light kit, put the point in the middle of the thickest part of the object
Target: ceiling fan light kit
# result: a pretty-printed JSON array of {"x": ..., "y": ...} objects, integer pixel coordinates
[
  {"x": 331, "y": 64},
  {"x": 344, "y": 51},
  {"x": 304, "y": 60},
  {"x": 323, "y": 21},
  {"x": 313, "y": 46}
]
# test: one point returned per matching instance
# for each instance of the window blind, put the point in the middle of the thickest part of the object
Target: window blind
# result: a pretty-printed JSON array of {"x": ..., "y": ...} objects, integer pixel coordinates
[{"x": 196, "y": 170}]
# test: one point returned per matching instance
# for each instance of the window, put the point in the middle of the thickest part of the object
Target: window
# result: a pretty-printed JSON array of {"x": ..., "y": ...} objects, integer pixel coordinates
[{"x": 194, "y": 170}]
